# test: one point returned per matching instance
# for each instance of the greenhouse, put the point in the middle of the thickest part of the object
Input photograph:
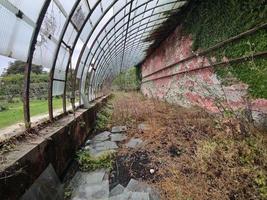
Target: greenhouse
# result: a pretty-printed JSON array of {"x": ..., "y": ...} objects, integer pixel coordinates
[{"x": 133, "y": 99}]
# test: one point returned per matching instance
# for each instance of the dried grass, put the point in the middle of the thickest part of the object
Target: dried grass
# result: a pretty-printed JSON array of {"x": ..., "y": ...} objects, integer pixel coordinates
[{"x": 216, "y": 158}]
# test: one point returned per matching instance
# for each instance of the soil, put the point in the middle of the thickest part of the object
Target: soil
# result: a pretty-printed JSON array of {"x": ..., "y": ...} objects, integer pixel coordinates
[
  {"x": 135, "y": 165},
  {"x": 195, "y": 155}
]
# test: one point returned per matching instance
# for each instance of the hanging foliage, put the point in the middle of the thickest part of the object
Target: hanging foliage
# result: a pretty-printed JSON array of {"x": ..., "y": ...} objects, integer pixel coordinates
[{"x": 211, "y": 21}]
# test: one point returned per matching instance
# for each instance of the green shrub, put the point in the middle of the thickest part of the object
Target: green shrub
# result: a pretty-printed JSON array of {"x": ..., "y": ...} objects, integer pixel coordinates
[
  {"x": 89, "y": 163},
  {"x": 3, "y": 108},
  {"x": 103, "y": 117},
  {"x": 128, "y": 80}
]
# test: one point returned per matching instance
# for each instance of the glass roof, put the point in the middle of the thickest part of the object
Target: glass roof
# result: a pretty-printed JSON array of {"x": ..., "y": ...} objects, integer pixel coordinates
[{"x": 96, "y": 38}]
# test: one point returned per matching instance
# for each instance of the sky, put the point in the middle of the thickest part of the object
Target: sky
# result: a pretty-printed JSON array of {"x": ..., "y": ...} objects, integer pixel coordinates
[
  {"x": 4, "y": 63},
  {"x": 5, "y": 60}
]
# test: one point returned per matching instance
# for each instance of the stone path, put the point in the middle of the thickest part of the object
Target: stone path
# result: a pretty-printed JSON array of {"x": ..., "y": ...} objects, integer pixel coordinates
[{"x": 95, "y": 185}]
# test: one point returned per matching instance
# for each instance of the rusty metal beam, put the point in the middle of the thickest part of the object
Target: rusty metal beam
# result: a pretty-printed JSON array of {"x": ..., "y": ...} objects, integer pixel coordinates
[
  {"x": 231, "y": 61},
  {"x": 215, "y": 47},
  {"x": 52, "y": 71},
  {"x": 28, "y": 67}
]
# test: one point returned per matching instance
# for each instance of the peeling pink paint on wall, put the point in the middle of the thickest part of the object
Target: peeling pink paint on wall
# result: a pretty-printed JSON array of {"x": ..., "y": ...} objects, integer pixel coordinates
[{"x": 193, "y": 87}]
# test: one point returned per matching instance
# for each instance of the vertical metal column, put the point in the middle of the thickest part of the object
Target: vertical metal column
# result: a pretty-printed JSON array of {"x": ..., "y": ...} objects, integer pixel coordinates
[{"x": 28, "y": 67}]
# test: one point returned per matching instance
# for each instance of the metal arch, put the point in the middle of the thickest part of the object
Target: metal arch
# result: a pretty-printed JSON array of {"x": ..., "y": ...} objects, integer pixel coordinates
[
  {"x": 121, "y": 19},
  {"x": 85, "y": 44},
  {"x": 156, "y": 14},
  {"x": 116, "y": 42},
  {"x": 28, "y": 67},
  {"x": 76, "y": 40},
  {"x": 148, "y": 22},
  {"x": 137, "y": 15},
  {"x": 173, "y": 9},
  {"x": 127, "y": 28},
  {"x": 108, "y": 67},
  {"x": 130, "y": 31},
  {"x": 117, "y": 54},
  {"x": 61, "y": 41},
  {"x": 81, "y": 29},
  {"x": 153, "y": 20},
  {"x": 87, "y": 40},
  {"x": 52, "y": 71},
  {"x": 144, "y": 28}
]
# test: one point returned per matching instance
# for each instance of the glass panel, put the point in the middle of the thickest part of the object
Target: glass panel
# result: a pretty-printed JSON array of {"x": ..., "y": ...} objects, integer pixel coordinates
[
  {"x": 58, "y": 88},
  {"x": 67, "y": 5},
  {"x": 54, "y": 20},
  {"x": 70, "y": 35},
  {"x": 61, "y": 64},
  {"x": 96, "y": 14},
  {"x": 44, "y": 51},
  {"x": 26, "y": 7},
  {"x": 15, "y": 35},
  {"x": 106, "y": 4},
  {"x": 86, "y": 30},
  {"x": 92, "y": 3},
  {"x": 119, "y": 5},
  {"x": 164, "y": 8},
  {"x": 80, "y": 14}
]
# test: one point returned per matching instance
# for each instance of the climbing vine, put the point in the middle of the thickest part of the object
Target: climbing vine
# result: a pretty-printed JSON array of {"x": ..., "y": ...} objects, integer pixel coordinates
[{"x": 212, "y": 21}]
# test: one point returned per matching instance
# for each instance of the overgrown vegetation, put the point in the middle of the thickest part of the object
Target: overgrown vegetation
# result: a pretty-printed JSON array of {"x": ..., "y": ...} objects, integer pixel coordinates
[
  {"x": 211, "y": 21},
  {"x": 195, "y": 155},
  {"x": 103, "y": 117},
  {"x": 128, "y": 80},
  {"x": 89, "y": 163}
]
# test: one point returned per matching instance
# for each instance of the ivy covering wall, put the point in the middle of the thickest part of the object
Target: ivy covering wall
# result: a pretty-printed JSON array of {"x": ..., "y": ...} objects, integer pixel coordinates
[{"x": 212, "y": 21}]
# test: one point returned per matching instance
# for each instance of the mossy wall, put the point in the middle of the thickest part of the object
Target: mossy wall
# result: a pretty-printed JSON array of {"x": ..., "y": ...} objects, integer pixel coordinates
[{"x": 211, "y": 21}]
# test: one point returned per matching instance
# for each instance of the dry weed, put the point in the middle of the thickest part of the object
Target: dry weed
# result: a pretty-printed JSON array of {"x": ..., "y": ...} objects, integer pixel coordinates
[{"x": 195, "y": 154}]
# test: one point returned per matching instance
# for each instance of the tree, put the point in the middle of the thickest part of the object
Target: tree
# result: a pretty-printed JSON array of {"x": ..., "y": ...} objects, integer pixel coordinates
[{"x": 17, "y": 67}]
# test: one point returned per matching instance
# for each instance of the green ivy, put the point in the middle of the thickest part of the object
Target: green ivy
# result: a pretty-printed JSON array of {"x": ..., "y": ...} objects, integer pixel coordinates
[{"x": 212, "y": 21}]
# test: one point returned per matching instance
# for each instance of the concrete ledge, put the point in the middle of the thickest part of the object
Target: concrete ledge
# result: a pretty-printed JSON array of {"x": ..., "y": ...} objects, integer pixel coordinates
[{"x": 55, "y": 144}]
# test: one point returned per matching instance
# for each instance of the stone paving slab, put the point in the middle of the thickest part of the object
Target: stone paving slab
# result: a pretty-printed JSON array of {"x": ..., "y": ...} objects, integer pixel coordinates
[
  {"x": 118, "y": 137},
  {"x": 123, "y": 196},
  {"x": 140, "y": 196},
  {"x": 106, "y": 145},
  {"x": 95, "y": 185},
  {"x": 134, "y": 143},
  {"x": 102, "y": 136},
  {"x": 46, "y": 186},
  {"x": 131, "y": 196},
  {"x": 116, "y": 190},
  {"x": 118, "y": 129},
  {"x": 91, "y": 178},
  {"x": 137, "y": 186},
  {"x": 93, "y": 192}
]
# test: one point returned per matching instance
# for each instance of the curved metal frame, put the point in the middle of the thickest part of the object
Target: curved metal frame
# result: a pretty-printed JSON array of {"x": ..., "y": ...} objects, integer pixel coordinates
[
  {"x": 173, "y": 2},
  {"x": 103, "y": 70},
  {"x": 146, "y": 26},
  {"x": 28, "y": 67}
]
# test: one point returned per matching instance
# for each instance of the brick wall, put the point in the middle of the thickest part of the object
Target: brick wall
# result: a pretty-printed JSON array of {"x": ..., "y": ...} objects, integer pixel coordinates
[{"x": 194, "y": 87}]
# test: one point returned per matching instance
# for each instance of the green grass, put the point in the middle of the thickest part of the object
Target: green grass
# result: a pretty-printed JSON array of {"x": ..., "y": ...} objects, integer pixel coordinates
[
  {"x": 14, "y": 114},
  {"x": 89, "y": 163}
]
